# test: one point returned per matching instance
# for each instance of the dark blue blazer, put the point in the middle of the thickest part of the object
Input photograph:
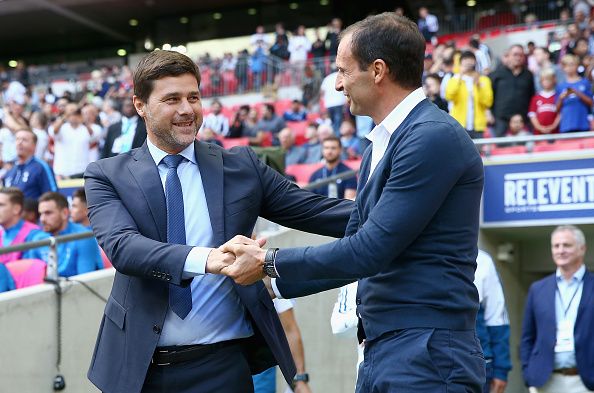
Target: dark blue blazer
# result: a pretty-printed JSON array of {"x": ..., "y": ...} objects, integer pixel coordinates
[
  {"x": 128, "y": 214},
  {"x": 537, "y": 349},
  {"x": 412, "y": 240}
]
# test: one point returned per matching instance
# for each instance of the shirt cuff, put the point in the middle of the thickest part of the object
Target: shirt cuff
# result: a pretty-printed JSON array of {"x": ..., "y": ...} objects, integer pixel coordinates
[
  {"x": 275, "y": 289},
  {"x": 196, "y": 262}
]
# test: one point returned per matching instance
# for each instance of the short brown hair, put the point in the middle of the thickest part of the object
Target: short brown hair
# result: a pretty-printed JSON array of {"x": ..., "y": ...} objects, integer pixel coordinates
[
  {"x": 160, "y": 64},
  {"x": 15, "y": 195},
  {"x": 60, "y": 199},
  {"x": 394, "y": 39},
  {"x": 332, "y": 138},
  {"x": 80, "y": 194}
]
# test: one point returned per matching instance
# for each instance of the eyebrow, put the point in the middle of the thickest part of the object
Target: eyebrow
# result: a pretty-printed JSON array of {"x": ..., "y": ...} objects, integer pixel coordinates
[{"x": 177, "y": 94}]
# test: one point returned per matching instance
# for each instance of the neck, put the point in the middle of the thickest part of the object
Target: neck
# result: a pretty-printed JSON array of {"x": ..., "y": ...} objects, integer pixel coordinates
[
  {"x": 391, "y": 100},
  {"x": 166, "y": 148},
  {"x": 12, "y": 222},
  {"x": 23, "y": 159},
  {"x": 85, "y": 222},
  {"x": 61, "y": 228},
  {"x": 569, "y": 270},
  {"x": 332, "y": 165}
]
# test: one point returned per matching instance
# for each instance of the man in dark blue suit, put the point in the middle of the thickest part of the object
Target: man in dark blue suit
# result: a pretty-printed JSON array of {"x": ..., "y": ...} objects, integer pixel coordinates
[
  {"x": 557, "y": 349},
  {"x": 412, "y": 239},
  {"x": 159, "y": 211}
]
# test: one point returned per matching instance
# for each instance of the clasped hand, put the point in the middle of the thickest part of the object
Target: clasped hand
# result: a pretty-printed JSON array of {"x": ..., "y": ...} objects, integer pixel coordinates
[{"x": 241, "y": 259}]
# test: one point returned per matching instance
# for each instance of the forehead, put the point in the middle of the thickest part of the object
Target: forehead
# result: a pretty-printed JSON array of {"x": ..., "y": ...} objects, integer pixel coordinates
[
  {"x": 562, "y": 236},
  {"x": 178, "y": 85},
  {"x": 344, "y": 53},
  {"x": 47, "y": 206},
  {"x": 4, "y": 199}
]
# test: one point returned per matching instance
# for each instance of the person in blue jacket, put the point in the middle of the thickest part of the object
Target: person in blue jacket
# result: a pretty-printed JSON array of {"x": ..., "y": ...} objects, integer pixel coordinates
[
  {"x": 75, "y": 257},
  {"x": 6, "y": 281}
]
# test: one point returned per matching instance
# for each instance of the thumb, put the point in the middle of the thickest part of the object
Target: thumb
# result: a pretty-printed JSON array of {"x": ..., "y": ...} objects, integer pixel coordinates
[{"x": 261, "y": 242}]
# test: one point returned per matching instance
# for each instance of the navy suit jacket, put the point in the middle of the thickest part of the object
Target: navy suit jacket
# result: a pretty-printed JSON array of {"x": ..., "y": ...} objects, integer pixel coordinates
[
  {"x": 412, "y": 240},
  {"x": 128, "y": 214},
  {"x": 537, "y": 349}
]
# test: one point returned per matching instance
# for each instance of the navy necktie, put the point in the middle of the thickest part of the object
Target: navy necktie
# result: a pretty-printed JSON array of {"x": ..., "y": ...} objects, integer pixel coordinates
[{"x": 180, "y": 299}]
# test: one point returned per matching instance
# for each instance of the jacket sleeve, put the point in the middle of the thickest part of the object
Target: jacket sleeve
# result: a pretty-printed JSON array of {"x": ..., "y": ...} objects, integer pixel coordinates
[
  {"x": 130, "y": 252},
  {"x": 485, "y": 92},
  {"x": 420, "y": 178}
]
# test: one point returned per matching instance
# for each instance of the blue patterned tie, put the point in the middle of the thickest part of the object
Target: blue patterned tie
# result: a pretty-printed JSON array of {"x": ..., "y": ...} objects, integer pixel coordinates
[{"x": 180, "y": 299}]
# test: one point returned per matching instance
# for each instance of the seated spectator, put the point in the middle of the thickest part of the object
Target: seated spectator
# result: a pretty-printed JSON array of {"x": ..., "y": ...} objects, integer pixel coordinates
[
  {"x": 313, "y": 147},
  {"x": 78, "y": 211},
  {"x": 15, "y": 230},
  {"x": 208, "y": 135},
  {"x": 432, "y": 85},
  {"x": 351, "y": 145},
  {"x": 293, "y": 154},
  {"x": 543, "y": 110},
  {"x": 270, "y": 122},
  {"x": 471, "y": 96},
  {"x": 31, "y": 175},
  {"x": 31, "y": 211},
  {"x": 76, "y": 257},
  {"x": 296, "y": 112},
  {"x": 238, "y": 127},
  {"x": 517, "y": 126},
  {"x": 6, "y": 280},
  {"x": 343, "y": 188},
  {"x": 574, "y": 98},
  {"x": 215, "y": 120}
]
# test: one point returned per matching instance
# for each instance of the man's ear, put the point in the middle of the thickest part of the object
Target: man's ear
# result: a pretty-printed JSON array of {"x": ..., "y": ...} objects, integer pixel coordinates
[
  {"x": 139, "y": 105},
  {"x": 380, "y": 70}
]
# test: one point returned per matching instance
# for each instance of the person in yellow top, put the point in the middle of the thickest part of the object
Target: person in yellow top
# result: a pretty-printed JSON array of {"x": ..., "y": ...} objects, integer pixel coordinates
[{"x": 471, "y": 96}]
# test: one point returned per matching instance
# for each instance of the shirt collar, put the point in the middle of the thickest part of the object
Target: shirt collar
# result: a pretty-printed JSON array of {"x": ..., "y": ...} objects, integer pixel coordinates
[
  {"x": 158, "y": 154},
  {"x": 577, "y": 276},
  {"x": 398, "y": 114}
]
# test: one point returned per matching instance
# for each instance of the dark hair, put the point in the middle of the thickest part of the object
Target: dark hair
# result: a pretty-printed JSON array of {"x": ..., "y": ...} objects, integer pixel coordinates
[
  {"x": 31, "y": 205},
  {"x": 270, "y": 107},
  {"x": 394, "y": 39},
  {"x": 332, "y": 138},
  {"x": 60, "y": 199},
  {"x": 15, "y": 195},
  {"x": 160, "y": 64},
  {"x": 434, "y": 76},
  {"x": 467, "y": 55},
  {"x": 80, "y": 194},
  {"x": 474, "y": 43}
]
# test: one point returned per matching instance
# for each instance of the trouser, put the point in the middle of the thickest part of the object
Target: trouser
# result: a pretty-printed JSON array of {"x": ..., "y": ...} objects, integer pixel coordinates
[
  {"x": 423, "y": 360},
  {"x": 223, "y": 371},
  {"x": 558, "y": 383}
]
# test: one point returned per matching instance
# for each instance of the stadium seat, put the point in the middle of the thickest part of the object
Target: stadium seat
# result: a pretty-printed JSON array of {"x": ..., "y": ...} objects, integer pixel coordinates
[
  {"x": 588, "y": 143},
  {"x": 27, "y": 272},
  {"x": 298, "y": 128},
  {"x": 106, "y": 262},
  {"x": 558, "y": 146},
  {"x": 302, "y": 172},
  {"x": 266, "y": 139},
  {"x": 499, "y": 151},
  {"x": 353, "y": 164},
  {"x": 231, "y": 142},
  {"x": 281, "y": 106}
]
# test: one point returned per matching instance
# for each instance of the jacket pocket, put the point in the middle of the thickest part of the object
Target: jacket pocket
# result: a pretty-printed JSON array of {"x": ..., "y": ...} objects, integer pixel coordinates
[{"x": 115, "y": 312}]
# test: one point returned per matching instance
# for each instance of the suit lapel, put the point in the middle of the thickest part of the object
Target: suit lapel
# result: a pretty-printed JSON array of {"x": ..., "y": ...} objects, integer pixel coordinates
[
  {"x": 210, "y": 165},
  {"x": 587, "y": 290},
  {"x": 146, "y": 174}
]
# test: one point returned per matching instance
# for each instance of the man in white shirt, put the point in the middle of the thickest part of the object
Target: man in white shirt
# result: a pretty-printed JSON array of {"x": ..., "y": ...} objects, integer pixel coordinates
[
  {"x": 334, "y": 100},
  {"x": 215, "y": 120},
  {"x": 72, "y": 143}
]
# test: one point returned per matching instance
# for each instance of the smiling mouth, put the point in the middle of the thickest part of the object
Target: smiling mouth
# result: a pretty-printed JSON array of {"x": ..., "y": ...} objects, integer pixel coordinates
[{"x": 184, "y": 124}]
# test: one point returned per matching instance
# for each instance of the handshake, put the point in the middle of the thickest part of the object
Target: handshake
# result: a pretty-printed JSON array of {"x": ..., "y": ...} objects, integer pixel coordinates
[{"x": 241, "y": 259}]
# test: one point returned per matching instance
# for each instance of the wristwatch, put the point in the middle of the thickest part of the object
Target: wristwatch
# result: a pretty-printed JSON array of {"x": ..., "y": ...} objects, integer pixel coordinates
[
  {"x": 300, "y": 377},
  {"x": 269, "y": 259}
]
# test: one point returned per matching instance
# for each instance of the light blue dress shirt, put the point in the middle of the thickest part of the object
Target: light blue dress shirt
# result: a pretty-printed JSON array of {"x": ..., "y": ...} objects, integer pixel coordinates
[
  {"x": 217, "y": 312},
  {"x": 567, "y": 309}
]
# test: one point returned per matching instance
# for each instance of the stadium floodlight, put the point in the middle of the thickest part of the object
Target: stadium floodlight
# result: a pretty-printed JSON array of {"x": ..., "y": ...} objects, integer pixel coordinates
[
  {"x": 324, "y": 2},
  {"x": 133, "y": 22},
  {"x": 217, "y": 16},
  {"x": 166, "y": 46},
  {"x": 293, "y": 6},
  {"x": 184, "y": 20},
  {"x": 252, "y": 11},
  {"x": 471, "y": 3},
  {"x": 122, "y": 52},
  {"x": 13, "y": 63}
]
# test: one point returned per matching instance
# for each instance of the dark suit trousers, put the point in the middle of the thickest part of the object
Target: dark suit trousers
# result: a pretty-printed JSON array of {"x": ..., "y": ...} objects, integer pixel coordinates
[
  {"x": 423, "y": 360},
  {"x": 224, "y": 371}
]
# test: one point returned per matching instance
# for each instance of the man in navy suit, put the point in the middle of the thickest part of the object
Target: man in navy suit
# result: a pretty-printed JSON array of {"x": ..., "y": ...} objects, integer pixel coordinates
[
  {"x": 557, "y": 350},
  {"x": 159, "y": 212},
  {"x": 412, "y": 239}
]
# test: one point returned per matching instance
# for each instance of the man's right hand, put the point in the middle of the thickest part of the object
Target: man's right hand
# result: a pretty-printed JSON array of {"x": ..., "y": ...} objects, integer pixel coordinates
[{"x": 217, "y": 260}]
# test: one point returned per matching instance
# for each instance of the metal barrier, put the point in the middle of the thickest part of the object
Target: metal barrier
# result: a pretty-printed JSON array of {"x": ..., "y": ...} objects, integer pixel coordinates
[{"x": 52, "y": 242}]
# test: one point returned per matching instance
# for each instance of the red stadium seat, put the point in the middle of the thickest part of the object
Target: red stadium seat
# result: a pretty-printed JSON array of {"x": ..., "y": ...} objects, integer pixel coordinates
[
  {"x": 558, "y": 146},
  {"x": 281, "y": 106},
  {"x": 302, "y": 172},
  {"x": 266, "y": 139},
  {"x": 588, "y": 143},
  {"x": 106, "y": 262},
  {"x": 499, "y": 151},
  {"x": 298, "y": 128},
  {"x": 230, "y": 142},
  {"x": 353, "y": 164},
  {"x": 27, "y": 272}
]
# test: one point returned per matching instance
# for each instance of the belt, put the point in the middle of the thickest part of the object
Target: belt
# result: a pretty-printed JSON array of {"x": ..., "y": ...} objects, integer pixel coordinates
[
  {"x": 165, "y": 356},
  {"x": 567, "y": 371}
]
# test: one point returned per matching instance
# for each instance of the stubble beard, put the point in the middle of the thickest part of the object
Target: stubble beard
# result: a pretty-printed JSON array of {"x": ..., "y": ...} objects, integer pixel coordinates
[{"x": 167, "y": 138}]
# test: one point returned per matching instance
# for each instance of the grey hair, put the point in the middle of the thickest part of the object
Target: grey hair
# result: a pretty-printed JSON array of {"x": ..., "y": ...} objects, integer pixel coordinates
[{"x": 577, "y": 233}]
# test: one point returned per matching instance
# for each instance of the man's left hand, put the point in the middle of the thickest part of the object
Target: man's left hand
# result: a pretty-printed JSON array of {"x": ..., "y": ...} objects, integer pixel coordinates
[
  {"x": 249, "y": 259},
  {"x": 498, "y": 385}
]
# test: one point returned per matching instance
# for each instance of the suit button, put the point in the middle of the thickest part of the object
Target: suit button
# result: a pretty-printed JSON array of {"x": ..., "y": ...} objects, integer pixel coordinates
[
  {"x": 358, "y": 301},
  {"x": 168, "y": 278},
  {"x": 156, "y": 329}
]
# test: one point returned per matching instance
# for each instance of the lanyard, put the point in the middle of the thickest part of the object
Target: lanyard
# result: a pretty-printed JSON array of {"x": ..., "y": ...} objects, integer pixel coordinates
[{"x": 566, "y": 309}]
